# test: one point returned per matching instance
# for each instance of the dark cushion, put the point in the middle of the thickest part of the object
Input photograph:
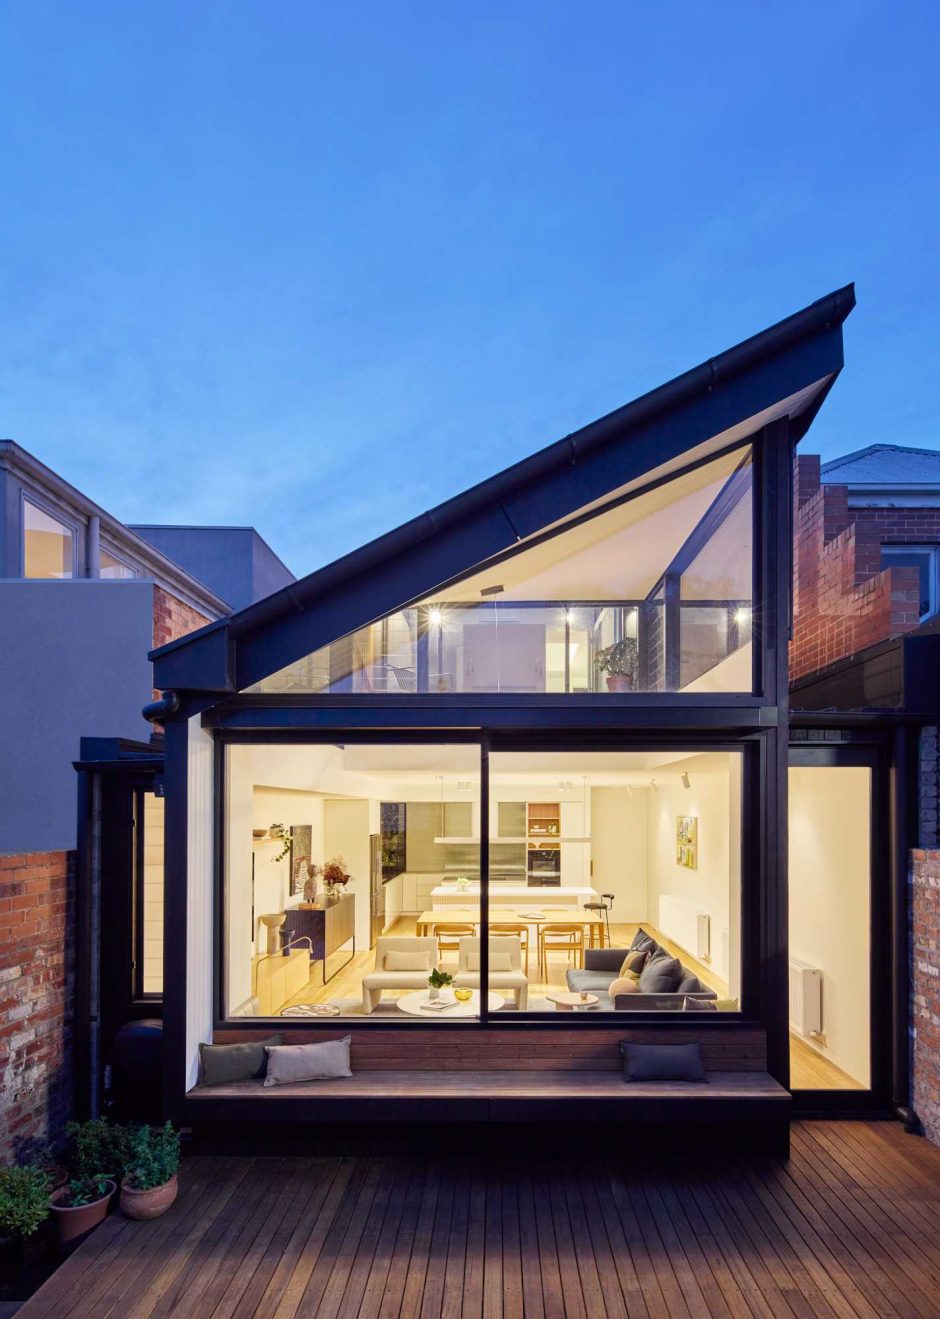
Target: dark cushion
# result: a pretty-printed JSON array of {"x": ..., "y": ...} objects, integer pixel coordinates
[
  {"x": 634, "y": 962},
  {"x": 662, "y": 1062},
  {"x": 660, "y": 975},
  {"x": 643, "y": 942},
  {"x": 220, "y": 1063},
  {"x": 689, "y": 984},
  {"x": 699, "y": 1005}
]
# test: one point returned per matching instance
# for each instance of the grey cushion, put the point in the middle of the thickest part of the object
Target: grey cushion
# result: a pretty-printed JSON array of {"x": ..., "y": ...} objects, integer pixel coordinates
[
  {"x": 661, "y": 975},
  {"x": 699, "y": 1005},
  {"x": 643, "y": 942},
  {"x": 689, "y": 984},
  {"x": 592, "y": 981},
  {"x": 309, "y": 1062},
  {"x": 662, "y": 1062},
  {"x": 220, "y": 1063}
]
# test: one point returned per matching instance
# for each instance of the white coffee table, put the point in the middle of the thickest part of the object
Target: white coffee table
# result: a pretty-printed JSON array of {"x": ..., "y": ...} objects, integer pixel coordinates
[
  {"x": 416, "y": 1004},
  {"x": 565, "y": 1001}
]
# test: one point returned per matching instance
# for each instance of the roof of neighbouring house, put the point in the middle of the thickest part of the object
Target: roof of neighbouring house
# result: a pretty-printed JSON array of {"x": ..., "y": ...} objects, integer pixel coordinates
[
  {"x": 884, "y": 465},
  {"x": 784, "y": 372}
]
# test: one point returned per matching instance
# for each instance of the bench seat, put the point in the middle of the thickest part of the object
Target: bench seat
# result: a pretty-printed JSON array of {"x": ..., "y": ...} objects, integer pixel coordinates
[{"x": 499, "y": 1096}]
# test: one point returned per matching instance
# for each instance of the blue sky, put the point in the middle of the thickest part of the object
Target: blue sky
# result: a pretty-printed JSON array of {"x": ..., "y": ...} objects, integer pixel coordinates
[{"x": 316, "y": 266}]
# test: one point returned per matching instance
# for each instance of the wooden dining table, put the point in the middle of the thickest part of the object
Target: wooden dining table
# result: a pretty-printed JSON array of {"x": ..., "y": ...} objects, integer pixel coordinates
[{"x": 593, "y": 922}]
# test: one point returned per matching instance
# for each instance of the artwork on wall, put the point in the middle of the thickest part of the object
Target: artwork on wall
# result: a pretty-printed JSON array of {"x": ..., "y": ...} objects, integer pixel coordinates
[
  {"x": 687, "y": 841},
  {"x": 301, "y": 847}
]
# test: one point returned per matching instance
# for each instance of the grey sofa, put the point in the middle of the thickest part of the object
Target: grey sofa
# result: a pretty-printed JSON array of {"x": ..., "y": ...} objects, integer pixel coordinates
[{"x": 601, "y": 969}]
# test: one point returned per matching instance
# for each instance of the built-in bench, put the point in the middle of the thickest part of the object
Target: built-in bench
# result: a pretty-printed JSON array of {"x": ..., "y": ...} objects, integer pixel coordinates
[{"x": 499, "y": 1076}]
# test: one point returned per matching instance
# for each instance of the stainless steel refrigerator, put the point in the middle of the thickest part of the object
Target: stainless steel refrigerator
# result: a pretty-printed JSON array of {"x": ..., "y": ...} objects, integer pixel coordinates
[{"x": 376, "y": 889}]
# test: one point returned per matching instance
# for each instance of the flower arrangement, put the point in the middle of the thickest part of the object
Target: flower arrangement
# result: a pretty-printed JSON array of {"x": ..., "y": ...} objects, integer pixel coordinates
[{"x": 333, "y": 873}]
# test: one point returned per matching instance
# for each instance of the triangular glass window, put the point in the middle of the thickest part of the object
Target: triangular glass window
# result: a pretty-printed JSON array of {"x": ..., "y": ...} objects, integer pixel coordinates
[{"x": 652, "y": 592}]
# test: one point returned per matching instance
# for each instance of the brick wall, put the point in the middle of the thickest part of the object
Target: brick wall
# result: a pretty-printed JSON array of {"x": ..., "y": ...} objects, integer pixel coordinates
[
  {"x": 172, "y": 618},
  {"x": 925, "y": 989},
  {"x": 36, "y": 1001},
  {"x": 842, "y": 600}
]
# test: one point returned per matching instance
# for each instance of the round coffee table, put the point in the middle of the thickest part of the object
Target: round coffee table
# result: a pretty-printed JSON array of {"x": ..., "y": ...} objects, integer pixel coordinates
[
  {"x": 566, "y": 1001},
  {"x": 416, "y": 1004}
]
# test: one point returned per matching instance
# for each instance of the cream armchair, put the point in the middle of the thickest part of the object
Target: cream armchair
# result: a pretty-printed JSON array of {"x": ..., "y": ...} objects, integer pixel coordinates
[
  {"x": 506, "y": 971},
  {"x": 401, "y": 962}
]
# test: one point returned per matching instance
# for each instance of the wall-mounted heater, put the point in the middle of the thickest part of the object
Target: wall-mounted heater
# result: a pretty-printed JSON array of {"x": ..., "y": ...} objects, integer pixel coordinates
[{"x": 805, "y": 998}]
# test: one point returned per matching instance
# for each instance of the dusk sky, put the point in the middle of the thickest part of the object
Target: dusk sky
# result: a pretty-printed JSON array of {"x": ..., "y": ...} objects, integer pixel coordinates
[{"x": 318, "y": 266}]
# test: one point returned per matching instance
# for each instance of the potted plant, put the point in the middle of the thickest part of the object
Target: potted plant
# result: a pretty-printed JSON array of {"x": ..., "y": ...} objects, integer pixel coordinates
[
  {"x": 619, "y": 662},
  {"x": 80, "y": 1206},
  {"x": 437, "y": 981},
  {"x": 334, "y": 874},
  {"x": 149, "y": 1186},
  {"x": 24, "y": 1207},
  {"x": 95, "y": 1148}
]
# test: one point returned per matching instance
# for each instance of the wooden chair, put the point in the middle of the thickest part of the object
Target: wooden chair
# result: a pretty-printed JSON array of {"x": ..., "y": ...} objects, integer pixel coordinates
[
  {"x": 448, "y": 935},
  {"x": 518, "y": 931},
  {"x": 559, "y": 937}
]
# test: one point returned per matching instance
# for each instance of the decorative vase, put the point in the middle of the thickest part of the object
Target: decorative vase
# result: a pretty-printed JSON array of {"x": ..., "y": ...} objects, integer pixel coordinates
[
  {"x": 619, "y": 682},
  {"x": 148, "y": 1204},
  {"x": 72, "y": 1225},
  {"x": 272, "y": 924},
  {"x": 433, "y": 992}
]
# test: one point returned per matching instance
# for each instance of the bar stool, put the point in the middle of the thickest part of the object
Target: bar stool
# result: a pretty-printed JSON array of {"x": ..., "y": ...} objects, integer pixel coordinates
[{"x": 604, "y": 906}]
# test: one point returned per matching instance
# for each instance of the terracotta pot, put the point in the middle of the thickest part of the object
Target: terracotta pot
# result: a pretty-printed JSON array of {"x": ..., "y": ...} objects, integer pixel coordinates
[
  {"x": 148, "y": 1204},
  {"x": 72, "y": 1225},
  {"x": 619, "y": 682}
]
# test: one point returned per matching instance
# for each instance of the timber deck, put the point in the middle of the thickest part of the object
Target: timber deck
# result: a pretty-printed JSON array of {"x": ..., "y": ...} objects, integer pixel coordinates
[{"x": 848, "y": 1226}]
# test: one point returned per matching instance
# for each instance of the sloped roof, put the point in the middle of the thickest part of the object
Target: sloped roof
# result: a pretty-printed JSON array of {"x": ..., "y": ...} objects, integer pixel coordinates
[
  {"x": 884, "y": 465},
  {"x": 785, "y": 371}
]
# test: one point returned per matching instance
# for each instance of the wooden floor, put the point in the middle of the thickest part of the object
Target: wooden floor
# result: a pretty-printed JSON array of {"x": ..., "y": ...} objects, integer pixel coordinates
[
  {"x": 810, "y": 1070},
  {"x": 847, "y": 1227}
]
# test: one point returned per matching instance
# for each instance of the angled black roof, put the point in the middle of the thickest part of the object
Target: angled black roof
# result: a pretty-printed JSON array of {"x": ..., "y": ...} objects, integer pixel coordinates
[{"x": 794, "y": 361}]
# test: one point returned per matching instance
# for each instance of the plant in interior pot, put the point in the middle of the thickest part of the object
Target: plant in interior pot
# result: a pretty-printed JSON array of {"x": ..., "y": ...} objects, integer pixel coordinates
[
  {"x": 437, "y": 981},
  {"x": 620, "y": 663},
  {"x": 79, "y": 1206},
  {"x": 149, "y": 1186}
]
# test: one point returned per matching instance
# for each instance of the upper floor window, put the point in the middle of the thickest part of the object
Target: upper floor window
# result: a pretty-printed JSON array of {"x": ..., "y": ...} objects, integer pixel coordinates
[
  {"x": 113, "y": 569},
  {"x": 48, "y": 544},
  {"x": 926, "y": 559}
]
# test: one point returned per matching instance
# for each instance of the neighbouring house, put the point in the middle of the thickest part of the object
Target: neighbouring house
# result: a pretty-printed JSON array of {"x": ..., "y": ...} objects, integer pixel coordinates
[{"x": 83, "y": 598}]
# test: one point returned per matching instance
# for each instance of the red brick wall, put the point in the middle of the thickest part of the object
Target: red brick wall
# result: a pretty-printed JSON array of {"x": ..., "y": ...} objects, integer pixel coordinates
[
  {"x": 842, "y": 600},
  {"x": 172, "y": 618},
  {"x": 925, "y": 989},
  {"x": 36, "y": 1005}
]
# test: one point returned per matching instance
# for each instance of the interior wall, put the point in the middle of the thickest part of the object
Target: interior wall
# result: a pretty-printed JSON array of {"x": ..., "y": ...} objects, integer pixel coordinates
[
  {"x": 347, "y": 825},
  {"x": 829, "y": 877},
  {"x": 287, "y": 806},
  {"x": 619, "y": 849},
  {"x": 708, "y": 886}
]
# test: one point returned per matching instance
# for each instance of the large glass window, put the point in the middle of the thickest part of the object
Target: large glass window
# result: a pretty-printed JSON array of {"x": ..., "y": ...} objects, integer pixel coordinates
[
  {"x": 830, "y": 927},
  {"x": 48, "y": 544},
  {"x": 652, "y": 592},
  {"x": 926, "y": 559},
  {"x": 623, "y": 892}
]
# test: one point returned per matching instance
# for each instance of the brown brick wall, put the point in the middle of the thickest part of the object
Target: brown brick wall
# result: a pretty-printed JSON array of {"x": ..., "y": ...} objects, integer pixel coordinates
[
  {"x": 842, "y": 600},
  {"x": 925, "y": 989},
  {"x": 36, "y": 1007},
  {"x": 172, "y": 618}
]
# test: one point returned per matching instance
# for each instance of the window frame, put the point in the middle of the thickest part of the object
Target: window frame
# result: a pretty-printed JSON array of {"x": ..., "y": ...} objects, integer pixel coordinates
[
  {"x": 894, "y": 549},
  {"x": 105, "y": 548},
  {"x": 65, "y": 520}
]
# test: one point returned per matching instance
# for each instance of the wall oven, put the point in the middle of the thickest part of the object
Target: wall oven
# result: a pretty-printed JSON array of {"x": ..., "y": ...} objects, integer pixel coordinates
[{"x": 544, "y": 867}]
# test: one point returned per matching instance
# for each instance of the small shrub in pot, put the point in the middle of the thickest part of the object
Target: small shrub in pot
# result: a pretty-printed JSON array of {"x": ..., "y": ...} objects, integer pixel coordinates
[
  {"x": 24, "y": 1200},
  {"x": 79, "y": 1207},
  {"x": 95, "y": 1147},
  {"x": 150, "y": 1186}
]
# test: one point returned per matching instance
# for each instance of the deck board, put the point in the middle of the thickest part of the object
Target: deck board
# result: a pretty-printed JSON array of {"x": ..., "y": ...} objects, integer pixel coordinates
[{"x": 844, "y": 1227}]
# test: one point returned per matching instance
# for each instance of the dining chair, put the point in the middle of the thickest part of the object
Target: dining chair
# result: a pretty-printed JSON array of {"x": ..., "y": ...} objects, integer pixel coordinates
[
  {"x": 449, "y": 933},
  {"x": 556, "y": 936},
  {"x": 518, "y": 931}
]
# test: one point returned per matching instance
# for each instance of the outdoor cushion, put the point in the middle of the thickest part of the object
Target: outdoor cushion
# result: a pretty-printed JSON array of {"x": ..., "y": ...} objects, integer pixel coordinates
[
  {"x": 309, "y": 1062},
  {"x": 407, "y": 961},
  {"x": 623, "y": 985},
  {"x": 219, "y": 1063},
  {"x": 661, "y": 1062},
  {"x": 660, "y": 975}
]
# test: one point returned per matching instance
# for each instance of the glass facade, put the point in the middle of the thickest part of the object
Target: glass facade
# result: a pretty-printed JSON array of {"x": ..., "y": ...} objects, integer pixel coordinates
[{"x": 652, "y": 592}]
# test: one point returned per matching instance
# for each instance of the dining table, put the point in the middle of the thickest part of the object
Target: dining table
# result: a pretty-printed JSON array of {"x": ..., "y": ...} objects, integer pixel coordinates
[{"x": 535, "y": 915}]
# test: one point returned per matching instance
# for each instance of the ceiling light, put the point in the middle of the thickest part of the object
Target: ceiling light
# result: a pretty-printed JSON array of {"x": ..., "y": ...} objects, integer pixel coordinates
[
  {"x": 742, "y": 616},
  {"x": 492, "y": 590},
  {"x": 434, "y": 616},
  {"x": 686, "y": 781},
  {"x": 653, "y": 785}
]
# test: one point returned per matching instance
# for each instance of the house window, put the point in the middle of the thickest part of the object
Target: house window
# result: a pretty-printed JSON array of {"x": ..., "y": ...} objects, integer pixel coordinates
[
  {"x": 113, "y": 569},
  {"x": 926, "y": 559},
  {"x": 48, "y": 544}
]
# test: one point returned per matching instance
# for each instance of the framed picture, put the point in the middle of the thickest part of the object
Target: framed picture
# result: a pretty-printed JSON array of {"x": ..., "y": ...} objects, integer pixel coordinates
[
  {"x": 687, "y": 841},
  {"x": 301, "y": 846}
]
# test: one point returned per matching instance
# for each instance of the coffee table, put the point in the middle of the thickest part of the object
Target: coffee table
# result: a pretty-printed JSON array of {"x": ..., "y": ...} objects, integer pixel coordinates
[
  {"x": 566, "y": 1001},
  {"x": 415, "y": 1005}
]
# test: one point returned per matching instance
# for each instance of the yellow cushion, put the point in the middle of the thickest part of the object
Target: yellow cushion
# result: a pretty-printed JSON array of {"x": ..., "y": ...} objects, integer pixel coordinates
[
  {"x": 727, "y": 1005},
  {"x": 634, "y": 962}
]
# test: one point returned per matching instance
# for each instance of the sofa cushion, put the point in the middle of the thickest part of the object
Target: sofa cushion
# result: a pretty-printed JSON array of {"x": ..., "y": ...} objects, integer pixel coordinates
[
  {"x": 690, "y": 984},
  {"x": 622, "y": 985},
  {"x": 662, "y": 1062},
  {"x": 404, "y": 961},
  {"x": 498, "y": 962},
  {"x": 660, "y": 975},
  {"x": 634, "y": 961},
  {"x": 699, "y": 1004},
  {"x": 219, "y": 1063},
  {"x": 643, "y": 942},
  {"x": 309, "y": 1062}
]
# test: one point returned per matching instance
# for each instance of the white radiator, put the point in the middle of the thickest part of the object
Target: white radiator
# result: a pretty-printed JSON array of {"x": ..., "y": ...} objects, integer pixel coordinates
[
  {"x": 805, "y": 998},
  {"x": 685, "y": 924}
]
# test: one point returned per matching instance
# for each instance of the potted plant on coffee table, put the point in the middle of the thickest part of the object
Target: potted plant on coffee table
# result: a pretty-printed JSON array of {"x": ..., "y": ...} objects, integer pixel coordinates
[
  {"x": 149, "y": 1186},
  {"x": 79, "y": 1206},
  {"x": 437, "y": 981}
]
